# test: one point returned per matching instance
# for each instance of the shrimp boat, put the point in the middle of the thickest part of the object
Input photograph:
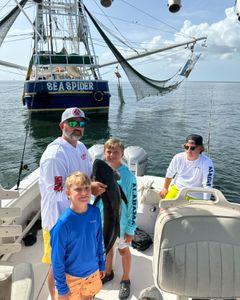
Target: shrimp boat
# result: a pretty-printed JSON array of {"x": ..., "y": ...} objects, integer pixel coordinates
[
  {"x": 195, "y": 252},
  {"x": 64, "y": 70}
]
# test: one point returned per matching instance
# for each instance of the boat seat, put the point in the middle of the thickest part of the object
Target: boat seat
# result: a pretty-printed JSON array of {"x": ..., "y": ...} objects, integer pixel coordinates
[
  {"x": 16, "y": 281},
  {"x": 197, "y": 246}
]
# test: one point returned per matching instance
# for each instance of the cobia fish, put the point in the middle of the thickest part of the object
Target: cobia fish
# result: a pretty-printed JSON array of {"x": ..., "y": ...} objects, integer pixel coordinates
[{"x": 111, "y": 199}]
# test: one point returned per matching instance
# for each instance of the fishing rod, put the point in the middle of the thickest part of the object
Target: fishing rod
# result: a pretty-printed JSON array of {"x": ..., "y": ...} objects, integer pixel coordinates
[
  {"x": 209, "y": 124},
  {"x": 22, "y": 165}
]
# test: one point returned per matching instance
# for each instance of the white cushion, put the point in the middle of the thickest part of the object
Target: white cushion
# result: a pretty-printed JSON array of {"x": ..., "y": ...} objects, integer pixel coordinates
[
  {"x": 197, "y": 251},
  {"x": 5, "y": 281},
  {"x": 22, "y": 282}
]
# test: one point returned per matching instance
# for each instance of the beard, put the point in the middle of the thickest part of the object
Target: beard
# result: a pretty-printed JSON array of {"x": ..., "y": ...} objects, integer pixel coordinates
[{"x": 73, "y": 135}]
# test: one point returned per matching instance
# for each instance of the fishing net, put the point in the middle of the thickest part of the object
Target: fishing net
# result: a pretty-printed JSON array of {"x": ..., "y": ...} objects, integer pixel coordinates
[
  {"x": 8, "y": 20},
  {"x": 142, "y": 85}
]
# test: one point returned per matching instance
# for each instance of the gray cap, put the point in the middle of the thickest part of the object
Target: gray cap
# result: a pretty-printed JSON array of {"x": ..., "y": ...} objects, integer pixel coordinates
[{"x": 72, "y": 112}]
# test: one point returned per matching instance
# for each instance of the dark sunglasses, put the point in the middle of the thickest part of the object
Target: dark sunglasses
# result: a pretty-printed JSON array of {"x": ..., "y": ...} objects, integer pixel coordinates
[
  {"x": 73, "y": 123},
  {"x": 192, "y": 148}
]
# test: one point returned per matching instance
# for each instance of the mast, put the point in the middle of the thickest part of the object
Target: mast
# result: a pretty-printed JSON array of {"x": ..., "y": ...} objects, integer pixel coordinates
[
  {"x": 85, "y": 36},
  {"x": 65, "y": 49},
  {"x": 50, "y": 27}
]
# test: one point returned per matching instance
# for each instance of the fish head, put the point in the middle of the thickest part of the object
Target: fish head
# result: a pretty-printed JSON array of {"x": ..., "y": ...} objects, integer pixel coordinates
[{"x": 103, "y": 172}]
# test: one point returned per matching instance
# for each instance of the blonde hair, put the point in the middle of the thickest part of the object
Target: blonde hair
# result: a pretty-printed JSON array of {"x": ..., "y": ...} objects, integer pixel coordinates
[
  {"x": 77, "y": 178},
  {"x": 113, "y": 143}
]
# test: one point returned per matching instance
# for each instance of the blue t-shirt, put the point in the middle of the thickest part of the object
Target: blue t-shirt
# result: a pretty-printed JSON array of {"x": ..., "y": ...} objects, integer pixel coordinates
[{"x": 77, "y": 246}]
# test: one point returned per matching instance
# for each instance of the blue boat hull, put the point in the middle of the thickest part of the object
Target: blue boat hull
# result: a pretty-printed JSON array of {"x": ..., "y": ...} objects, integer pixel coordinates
[{"x": 92, "y": 96}]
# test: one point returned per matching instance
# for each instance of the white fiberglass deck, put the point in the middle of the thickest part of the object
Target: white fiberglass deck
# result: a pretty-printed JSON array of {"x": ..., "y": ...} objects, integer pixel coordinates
[{"x": 141, "y": 274}]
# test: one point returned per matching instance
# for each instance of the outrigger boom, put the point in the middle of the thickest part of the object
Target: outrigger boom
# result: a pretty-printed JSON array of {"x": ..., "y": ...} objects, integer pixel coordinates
[{"x": 156, "y": 51}]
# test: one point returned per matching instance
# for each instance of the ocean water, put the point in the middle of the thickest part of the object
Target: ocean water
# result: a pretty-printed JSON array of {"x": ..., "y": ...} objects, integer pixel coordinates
[{"x": 158, "y": 124}]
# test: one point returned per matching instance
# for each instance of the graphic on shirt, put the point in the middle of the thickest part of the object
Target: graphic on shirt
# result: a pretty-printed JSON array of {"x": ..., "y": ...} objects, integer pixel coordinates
[
  {"x": 83, "y": 156},
  {"x": 58, "y": 186},
  {"x": 59, "y": 160},
  {"x": 210, "y": 176}
]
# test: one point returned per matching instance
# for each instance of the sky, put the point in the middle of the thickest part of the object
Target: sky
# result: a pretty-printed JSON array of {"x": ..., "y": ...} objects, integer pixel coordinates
[{"x": 149, "y": 25}]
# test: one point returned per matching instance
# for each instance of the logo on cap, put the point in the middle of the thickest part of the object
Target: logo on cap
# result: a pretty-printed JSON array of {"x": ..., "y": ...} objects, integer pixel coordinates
[{"x": 76, "y": 112}]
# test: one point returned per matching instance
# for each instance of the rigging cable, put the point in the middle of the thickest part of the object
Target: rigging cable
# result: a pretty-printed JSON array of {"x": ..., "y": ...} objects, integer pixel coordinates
[
  {"x": 111, "y": 33},
  {"x": 4, "y": 5},
  {"x": 147, "y": 14},
  {"x": 128, "y": 44},
  {"x": 136, "y": 23}
]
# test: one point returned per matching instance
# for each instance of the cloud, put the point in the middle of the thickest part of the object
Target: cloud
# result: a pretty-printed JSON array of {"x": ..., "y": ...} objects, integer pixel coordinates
[{"x": 223, "y": 38}]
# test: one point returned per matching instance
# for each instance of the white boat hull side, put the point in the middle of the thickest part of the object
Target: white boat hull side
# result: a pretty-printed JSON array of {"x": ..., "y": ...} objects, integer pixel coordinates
[{"x": 28, "y": 200}]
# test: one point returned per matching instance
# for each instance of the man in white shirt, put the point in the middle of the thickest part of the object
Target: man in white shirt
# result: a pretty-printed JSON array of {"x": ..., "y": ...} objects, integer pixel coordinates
[
  {"x": 190, "y": 168},
  {"x": 63, "y": 156}
]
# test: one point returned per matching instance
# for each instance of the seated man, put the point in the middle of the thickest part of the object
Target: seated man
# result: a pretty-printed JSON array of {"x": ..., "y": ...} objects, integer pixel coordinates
[{"x": 190, "y": 168}]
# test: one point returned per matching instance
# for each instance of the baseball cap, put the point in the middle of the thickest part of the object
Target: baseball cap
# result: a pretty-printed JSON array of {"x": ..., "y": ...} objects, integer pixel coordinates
[
  {"x": 72, "y": 112},
  {"x": 196, "y": 138}
]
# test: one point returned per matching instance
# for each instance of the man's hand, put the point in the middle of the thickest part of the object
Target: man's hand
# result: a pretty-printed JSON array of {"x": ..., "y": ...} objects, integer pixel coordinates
[
  {"x": 163, "y": 193},
  {"x": 98, "y": 188}
]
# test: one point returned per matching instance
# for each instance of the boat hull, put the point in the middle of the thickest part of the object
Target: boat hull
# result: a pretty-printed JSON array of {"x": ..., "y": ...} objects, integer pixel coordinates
[{"x": 92, "y": 96}]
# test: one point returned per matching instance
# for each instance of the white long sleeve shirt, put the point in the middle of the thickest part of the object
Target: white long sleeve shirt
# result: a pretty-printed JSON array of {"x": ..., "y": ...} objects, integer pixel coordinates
[
  {"x": 191, "y": 173},
  {"x": 58, "y": 161}
]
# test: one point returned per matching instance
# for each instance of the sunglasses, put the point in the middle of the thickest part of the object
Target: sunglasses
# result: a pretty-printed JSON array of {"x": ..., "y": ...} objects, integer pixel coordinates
[
  {"x": 192, "y": 148},
  {"x": 74, "y": 123}
]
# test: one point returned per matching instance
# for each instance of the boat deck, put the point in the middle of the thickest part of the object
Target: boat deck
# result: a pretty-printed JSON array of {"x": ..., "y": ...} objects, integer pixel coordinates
[
  {"x": 141, "y": 264},
  {"x": 141, "y": 272}
]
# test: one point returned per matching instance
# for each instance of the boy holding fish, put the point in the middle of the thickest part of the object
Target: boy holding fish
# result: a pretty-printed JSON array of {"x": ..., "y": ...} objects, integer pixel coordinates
[{"x": 113, "y": 154}]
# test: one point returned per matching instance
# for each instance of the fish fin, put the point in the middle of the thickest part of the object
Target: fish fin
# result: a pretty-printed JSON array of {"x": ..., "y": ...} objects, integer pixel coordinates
[
  {"x": 111, "y": 241},
  {"x": 123, "y": 196},
  {"x": 96, "y": 200},
  {"x": 118, "y": 231},
  {"x": 116, "y": 175}
]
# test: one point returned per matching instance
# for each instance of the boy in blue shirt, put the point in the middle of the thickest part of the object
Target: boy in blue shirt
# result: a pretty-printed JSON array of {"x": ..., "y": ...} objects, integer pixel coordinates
[{"x": 78, "y": 254}]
